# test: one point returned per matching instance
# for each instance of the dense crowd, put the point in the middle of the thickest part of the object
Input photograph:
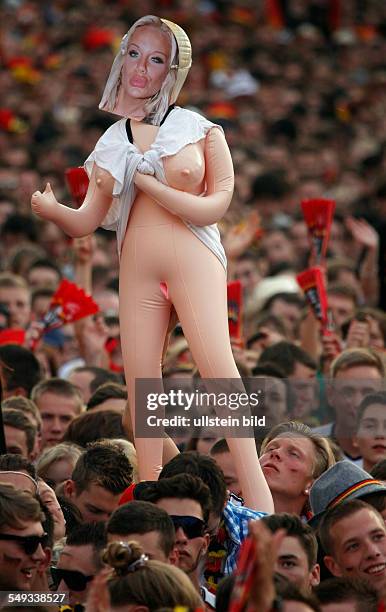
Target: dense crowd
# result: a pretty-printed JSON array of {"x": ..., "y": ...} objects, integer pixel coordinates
[{"x": 299, "y": 88}]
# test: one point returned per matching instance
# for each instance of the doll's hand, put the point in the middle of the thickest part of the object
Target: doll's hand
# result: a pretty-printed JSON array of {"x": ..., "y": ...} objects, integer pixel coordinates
[
  {"x": 142, "y": 180},
  {"x": 44, "y": 204}
]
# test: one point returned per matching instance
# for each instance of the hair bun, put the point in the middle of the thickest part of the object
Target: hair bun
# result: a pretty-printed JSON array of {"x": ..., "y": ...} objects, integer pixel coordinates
[{"x": 121, "y": 556}]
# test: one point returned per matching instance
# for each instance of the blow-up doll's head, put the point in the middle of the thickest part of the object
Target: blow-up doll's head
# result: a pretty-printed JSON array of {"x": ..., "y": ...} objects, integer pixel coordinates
[{"x": 149, "y": 70}]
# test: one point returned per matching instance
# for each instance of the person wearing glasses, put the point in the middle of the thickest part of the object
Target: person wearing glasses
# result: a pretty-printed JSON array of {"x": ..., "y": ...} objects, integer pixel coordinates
[
  {"x": 146, "y": 524},
  {"x": 79, "y": 562},
  {"x": 22, "y": 539},
  {"x": 187, "y": 501}
]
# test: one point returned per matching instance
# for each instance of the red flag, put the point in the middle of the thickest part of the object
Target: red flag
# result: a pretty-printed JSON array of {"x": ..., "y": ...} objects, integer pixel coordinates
[
  {"x": 235, "y": 294},
  {"x": 318, "y": 215},
  {"x": 313, "y": 285},
  {"x": 245, "y": 574},
  {"x": 77, "y": 181},
  {"x": 68, "y": 304}
]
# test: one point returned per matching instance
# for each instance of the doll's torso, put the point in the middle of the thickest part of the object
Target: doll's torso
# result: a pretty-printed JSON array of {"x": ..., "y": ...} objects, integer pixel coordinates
[{"x": 184, "y": 171}]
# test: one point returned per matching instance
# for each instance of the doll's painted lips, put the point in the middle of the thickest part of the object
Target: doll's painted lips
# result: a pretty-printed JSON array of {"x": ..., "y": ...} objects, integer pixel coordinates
[{"x": 138, "y": 81}]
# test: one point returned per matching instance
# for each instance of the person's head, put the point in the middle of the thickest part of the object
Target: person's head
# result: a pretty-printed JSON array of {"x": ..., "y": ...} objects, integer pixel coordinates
[
  {"x": 288, "y": 308},
  {"x": 40, "y": 302},
  {"x": 56, "y": 464},
  {"x": 139, "y": 583},
  {"x": 292, "y": 457},
  {"x": 300, "y": 368},
  {"x": 187, "y": 500},
  {"x": 379, "y": 470},
  {"x": 277, "y": 394},
  {"x": 371, "y": 429},
  {"x": 246, "y": 269},
  {"x": 26, "y": 406},
  {"x": 297, "y": 555},
  {"x": 292, "y": 598},
  {"x": 342, "y": 301},
  {"x": 43, "y": 273},
  {"x": 353, "y": 537},
  {"x": 59, "y": 402},
  {"x": 268, "y": 329},
  {"x": 31, "y": 411},
  {"x": 89, "y": 378},
  {"x": 80, "y": 560},
  {"x": 16, "y": 297},
  {"x": 146, "y": 524},
  {"x": 109, "y": 396},
  {"x": 343, "y": 482},
  {"x": 347, "y": 595},
  {"x": 376, "y": 320},
  {"x": 343, "y": 271},
  {"x": 92, "y": 426},
  {"x": 20, "y": 370},
  {"x": 355, "y": 373},
  {"x": 278, "y": 248},
  {"x": 100, "y": 476},
  {"x": 20, "y": 433},
  {"x": 21, "y": 538},
  {"x": 206, "y": 468},
  {"x": 149, "y": 70},
  {"x": 19, "y": 472},
  {"x": 221, "y": 454}
]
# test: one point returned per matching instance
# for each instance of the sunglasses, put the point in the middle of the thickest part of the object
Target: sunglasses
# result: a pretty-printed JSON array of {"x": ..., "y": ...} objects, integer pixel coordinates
[
  {"x": 192, "y": 527},
  {"x": 75, "y": 581},
  {"x": 28, "y": 543}
]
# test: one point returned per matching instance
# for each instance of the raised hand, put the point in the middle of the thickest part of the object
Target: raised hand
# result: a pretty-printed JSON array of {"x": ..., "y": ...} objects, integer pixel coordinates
[
  {"x": 44, "y": 204},
  {"x": 363, "y": 232}
]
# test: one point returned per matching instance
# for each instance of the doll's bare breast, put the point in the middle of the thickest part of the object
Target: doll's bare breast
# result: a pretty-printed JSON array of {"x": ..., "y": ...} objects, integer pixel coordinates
[{"x": 186, "y": 169}]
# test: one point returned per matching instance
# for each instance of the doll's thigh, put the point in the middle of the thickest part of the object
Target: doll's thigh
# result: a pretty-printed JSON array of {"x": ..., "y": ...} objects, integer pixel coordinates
[
  {"x": 199, "y": 294},
  {"x": 144, "y": 310}
]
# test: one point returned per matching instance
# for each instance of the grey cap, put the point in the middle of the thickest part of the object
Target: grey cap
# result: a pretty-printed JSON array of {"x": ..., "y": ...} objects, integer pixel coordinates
[{"x": 341, "y": 482}]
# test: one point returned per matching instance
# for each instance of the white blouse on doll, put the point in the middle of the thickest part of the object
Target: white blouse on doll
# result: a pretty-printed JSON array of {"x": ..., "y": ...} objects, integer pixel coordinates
[{"x": 169, "y": 158}]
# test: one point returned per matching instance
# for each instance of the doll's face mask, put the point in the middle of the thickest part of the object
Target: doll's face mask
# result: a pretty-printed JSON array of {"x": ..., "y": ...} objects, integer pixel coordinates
[
  {"x": 145, "y": 68},
  {"x": 149, "y": 71}
]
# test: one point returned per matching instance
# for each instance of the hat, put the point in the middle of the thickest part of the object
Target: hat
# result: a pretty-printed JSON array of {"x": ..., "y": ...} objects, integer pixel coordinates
[
  {"x": 271, "y": 285},
  {"x": 341, "y": 482},
  {"x": 184, "y": 57}
]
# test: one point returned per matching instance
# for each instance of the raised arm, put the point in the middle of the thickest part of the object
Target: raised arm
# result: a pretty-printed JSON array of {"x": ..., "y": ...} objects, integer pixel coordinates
[
  {"x": 198, "y": 210},
  {"x": 84, "y": 220}
]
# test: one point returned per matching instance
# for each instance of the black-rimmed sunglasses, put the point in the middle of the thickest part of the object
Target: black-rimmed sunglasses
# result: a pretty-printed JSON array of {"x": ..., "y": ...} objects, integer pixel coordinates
[
  {"x": 75, "y": 581},
  {"x": 28, "y": 543},
  {"x": 192, "y": 527}
]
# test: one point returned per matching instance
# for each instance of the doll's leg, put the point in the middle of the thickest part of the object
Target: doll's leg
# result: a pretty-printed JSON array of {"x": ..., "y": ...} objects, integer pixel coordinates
[
  {"x": 198, "y": 292},
  {"x": 144, "y": 317}
]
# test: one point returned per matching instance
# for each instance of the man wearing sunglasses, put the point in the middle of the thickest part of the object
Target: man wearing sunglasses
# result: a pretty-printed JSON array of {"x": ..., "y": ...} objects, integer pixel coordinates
[
  {"x": 79, "y": 562},
  {"x": 148, "y": 525},
  {"x": 187, "y": 501},
  {"x": 22, "y": 539}
]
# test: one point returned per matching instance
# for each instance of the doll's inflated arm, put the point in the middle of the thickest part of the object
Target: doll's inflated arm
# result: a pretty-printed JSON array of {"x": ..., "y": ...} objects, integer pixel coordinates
[
  {"x": 84, "y": 220},
  {"x": 198, "y": 210}
]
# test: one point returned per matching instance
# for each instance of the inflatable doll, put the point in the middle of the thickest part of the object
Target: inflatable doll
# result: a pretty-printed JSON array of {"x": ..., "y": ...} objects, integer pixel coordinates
[{"x": 162, "y": 177}]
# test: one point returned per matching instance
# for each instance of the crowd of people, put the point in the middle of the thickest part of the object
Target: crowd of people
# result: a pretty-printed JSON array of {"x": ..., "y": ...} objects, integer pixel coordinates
[{"x": 299, "y": 88}]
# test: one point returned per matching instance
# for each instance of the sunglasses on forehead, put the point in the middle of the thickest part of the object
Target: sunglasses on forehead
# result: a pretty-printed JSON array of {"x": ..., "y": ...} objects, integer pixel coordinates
[
  {"x": 75, "y": 581},
  {"x": 28, "y": 543},
  {"x": 192, "y": 527}
]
